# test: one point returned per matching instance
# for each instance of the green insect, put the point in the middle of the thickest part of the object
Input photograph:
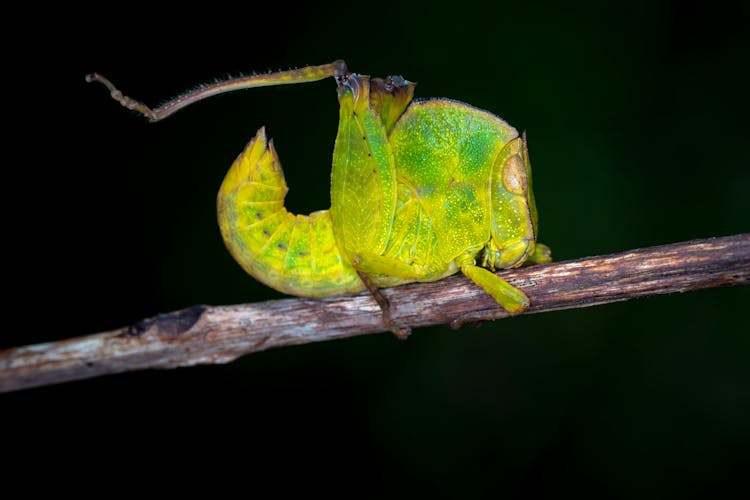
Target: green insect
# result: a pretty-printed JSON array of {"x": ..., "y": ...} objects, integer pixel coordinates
[{"x": 419, "y": 191}]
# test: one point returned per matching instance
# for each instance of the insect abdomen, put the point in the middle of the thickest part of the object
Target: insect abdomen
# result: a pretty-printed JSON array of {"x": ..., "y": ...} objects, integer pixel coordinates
[{"x": 295, "y": 254}]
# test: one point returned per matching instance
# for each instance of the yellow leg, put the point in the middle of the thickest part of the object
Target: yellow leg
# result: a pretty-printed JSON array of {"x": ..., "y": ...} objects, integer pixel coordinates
[
  {"x": 509, "y": 297},
  {"x": 378, "y": 265},
  {"x": 541, "y": 255}
]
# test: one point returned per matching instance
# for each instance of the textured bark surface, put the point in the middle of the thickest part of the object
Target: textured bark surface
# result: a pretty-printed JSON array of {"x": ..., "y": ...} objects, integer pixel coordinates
[{"x": 219, "y": 334}]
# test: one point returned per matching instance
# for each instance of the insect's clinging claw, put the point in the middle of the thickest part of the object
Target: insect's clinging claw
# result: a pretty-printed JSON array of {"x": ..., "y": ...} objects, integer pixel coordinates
[
  {"x": 401, "y": 332},
  {"x": 475, "y": 318}
]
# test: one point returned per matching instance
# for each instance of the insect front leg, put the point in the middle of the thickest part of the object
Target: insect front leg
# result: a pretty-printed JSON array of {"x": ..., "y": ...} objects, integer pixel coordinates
[{"x": 541, "y": 255}]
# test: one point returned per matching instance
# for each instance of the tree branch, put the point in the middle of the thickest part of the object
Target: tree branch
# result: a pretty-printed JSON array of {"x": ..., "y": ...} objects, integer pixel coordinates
[{"x": 220, "y": 334}]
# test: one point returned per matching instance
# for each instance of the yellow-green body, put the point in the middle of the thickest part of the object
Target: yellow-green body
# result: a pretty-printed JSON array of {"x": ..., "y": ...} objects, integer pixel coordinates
[{"x": 419, "y": 191}]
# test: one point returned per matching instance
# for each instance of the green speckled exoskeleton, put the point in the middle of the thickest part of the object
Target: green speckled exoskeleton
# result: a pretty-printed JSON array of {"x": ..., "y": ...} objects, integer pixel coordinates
[{"x": 419, "y": 191}]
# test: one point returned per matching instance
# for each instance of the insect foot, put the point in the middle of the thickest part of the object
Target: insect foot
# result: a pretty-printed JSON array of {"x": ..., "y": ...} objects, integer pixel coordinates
[
  {"x": 476, "y": 319},
  {"x": 401, "y": 332}
]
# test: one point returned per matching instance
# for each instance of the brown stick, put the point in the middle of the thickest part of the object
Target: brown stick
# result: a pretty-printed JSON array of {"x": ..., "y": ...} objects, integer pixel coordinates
[{"x": 219, "y": 334}]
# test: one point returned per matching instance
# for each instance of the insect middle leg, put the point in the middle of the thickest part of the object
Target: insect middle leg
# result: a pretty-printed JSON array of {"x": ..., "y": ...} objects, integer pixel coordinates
[
  {"x": 368, "y": 266},
  {"x": 511, "y": 299}
]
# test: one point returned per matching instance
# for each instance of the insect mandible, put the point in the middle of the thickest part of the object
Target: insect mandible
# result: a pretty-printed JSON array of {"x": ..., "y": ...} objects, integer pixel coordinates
[{"x": 420, "y": 190}]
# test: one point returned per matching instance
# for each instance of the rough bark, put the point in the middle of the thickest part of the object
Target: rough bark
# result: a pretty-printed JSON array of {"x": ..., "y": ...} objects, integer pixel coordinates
[{"x": 220, "y": 334}]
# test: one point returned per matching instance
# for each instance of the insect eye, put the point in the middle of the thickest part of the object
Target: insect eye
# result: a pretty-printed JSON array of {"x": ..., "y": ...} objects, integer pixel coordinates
[{"x": 514, "y": 175}]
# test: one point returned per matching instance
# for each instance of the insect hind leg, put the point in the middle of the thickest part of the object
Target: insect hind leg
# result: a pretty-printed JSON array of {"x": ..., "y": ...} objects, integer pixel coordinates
[{"x": 301, "y": 75}]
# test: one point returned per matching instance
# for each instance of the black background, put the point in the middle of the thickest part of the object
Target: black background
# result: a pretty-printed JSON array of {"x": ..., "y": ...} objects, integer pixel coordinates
[{"x": 637, "y": 122}]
